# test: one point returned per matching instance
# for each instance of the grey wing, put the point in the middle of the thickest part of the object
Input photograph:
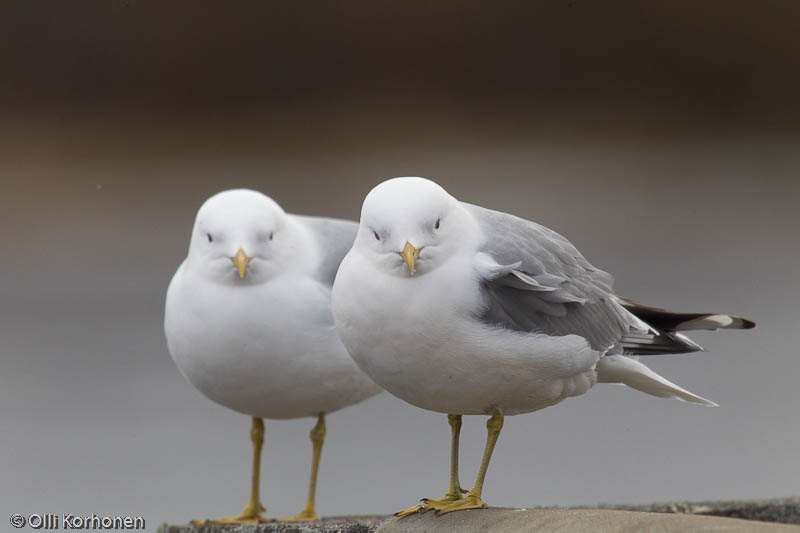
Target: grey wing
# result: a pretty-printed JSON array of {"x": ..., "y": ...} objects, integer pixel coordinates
[
  {"x": 542, "y": 284},
  {"x": 335, "y": 238}
]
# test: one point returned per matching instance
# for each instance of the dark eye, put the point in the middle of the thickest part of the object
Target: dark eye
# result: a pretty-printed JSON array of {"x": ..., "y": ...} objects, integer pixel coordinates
[
  {"x": 377, "y": 237},
  {"x": 271, "y": 234},
  {"x": 210, "y": 239},
  {"x": 438, "y": 221}
]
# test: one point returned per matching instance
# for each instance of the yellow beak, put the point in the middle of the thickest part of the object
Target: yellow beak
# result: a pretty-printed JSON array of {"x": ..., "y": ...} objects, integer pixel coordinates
[
  {"x": 241, "y": 261},
  {"x": 410, "y": 254}
]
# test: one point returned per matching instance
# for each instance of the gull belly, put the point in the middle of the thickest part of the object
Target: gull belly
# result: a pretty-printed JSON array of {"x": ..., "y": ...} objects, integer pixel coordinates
[
  {"x": 429, "y": 349},
  {"x": 269, "y": 351}
]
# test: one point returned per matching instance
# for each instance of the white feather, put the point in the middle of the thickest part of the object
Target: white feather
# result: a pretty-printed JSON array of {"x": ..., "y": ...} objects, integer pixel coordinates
[{"x": 630, "y": 372}]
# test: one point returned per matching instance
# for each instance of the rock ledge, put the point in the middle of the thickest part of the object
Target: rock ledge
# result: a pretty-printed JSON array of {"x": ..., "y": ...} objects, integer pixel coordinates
[{"x": 666, "y": 518}]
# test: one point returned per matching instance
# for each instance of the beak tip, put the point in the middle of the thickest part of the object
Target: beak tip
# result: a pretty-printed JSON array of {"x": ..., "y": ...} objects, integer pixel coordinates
[
  {"x": 241, "y": 260},
  {"x": 410, "y": 254}
]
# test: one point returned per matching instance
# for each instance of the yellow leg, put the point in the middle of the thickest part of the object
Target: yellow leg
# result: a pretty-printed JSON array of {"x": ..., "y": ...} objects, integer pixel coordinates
[
  {"x": 454, "y": 491},
  {"x": 473, "y": 499},
  {"x": 317, "y": 439},
  {"x": 253, "y": 509}
]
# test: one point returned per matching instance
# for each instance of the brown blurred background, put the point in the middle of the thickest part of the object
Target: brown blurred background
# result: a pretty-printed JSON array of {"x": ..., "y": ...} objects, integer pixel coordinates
[{"x": 661, "y": 138}]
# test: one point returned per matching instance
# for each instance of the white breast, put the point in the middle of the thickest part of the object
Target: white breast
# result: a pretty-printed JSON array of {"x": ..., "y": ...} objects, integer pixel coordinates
[
  {"x": 420, "y": 338},
  {"x": 269, "y": 350}
]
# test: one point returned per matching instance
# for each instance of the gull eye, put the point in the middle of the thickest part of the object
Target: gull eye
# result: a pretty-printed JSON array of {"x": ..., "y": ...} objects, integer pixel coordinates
[
  {"x": 271, "y": 234},
  {"x": 210, "y": 239},
  {"x": 438, "y": 222},
  {"x": 377, "y": 237}
]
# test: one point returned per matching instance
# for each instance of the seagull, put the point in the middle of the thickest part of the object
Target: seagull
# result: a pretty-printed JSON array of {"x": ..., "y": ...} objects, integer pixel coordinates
[
  {"x": 248, "y": 321},
  {"x": 462, "y": 310}
]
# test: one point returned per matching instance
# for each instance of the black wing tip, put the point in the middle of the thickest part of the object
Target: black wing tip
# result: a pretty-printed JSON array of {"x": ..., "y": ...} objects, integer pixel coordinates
[
  {"x": 672, "y": 321},
  {"x": 747, "y": 324}
]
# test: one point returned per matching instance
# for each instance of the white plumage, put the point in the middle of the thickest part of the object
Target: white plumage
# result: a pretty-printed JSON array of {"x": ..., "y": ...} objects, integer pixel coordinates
[
  {"x": 265, "y": 344},
  {"x": 501, "y": 315},
  {"x": 462, "y": 310}
]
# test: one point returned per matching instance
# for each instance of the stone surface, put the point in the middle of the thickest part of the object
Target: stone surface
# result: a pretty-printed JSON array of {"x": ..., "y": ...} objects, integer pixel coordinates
[
  {"x": 785, "y": 510},
  {"x": 665, "y": 517},
  {"x": 339, "y": 524},
  {"x": 567, "y": 520}
]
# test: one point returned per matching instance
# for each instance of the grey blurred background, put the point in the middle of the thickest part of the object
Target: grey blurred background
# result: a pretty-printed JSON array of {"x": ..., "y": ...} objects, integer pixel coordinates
[{"x": 661, "y": 138}]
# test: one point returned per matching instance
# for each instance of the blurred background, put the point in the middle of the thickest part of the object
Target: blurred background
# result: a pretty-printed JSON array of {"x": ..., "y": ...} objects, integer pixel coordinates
[{"x": 661, "y": 138}]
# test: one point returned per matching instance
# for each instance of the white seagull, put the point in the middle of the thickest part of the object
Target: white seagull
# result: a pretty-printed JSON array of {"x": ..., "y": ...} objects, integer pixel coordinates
[
  {"x": 248, "y": 320},
  {"x": 466, "y": 311}
]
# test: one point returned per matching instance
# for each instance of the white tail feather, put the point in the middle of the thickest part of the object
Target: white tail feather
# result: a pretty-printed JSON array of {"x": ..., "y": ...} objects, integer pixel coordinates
[{"x": 630, "y": 372}]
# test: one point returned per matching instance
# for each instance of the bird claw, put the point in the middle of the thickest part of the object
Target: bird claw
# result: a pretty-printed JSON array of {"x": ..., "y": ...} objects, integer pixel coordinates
[
  {"x": 430, "y": 505},
  {"x": 470, "y": 502}
]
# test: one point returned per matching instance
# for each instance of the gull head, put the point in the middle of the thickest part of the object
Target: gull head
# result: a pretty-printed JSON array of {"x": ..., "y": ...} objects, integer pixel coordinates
[
  {"x": 240, "y": 236},
  {"x": 410, "y": 226}
]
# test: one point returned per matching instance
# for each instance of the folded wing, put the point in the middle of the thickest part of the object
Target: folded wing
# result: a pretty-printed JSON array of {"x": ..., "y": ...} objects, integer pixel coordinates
[
  {"x": 535, "y": 280},
  {"x": 335, "y": 238}
]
